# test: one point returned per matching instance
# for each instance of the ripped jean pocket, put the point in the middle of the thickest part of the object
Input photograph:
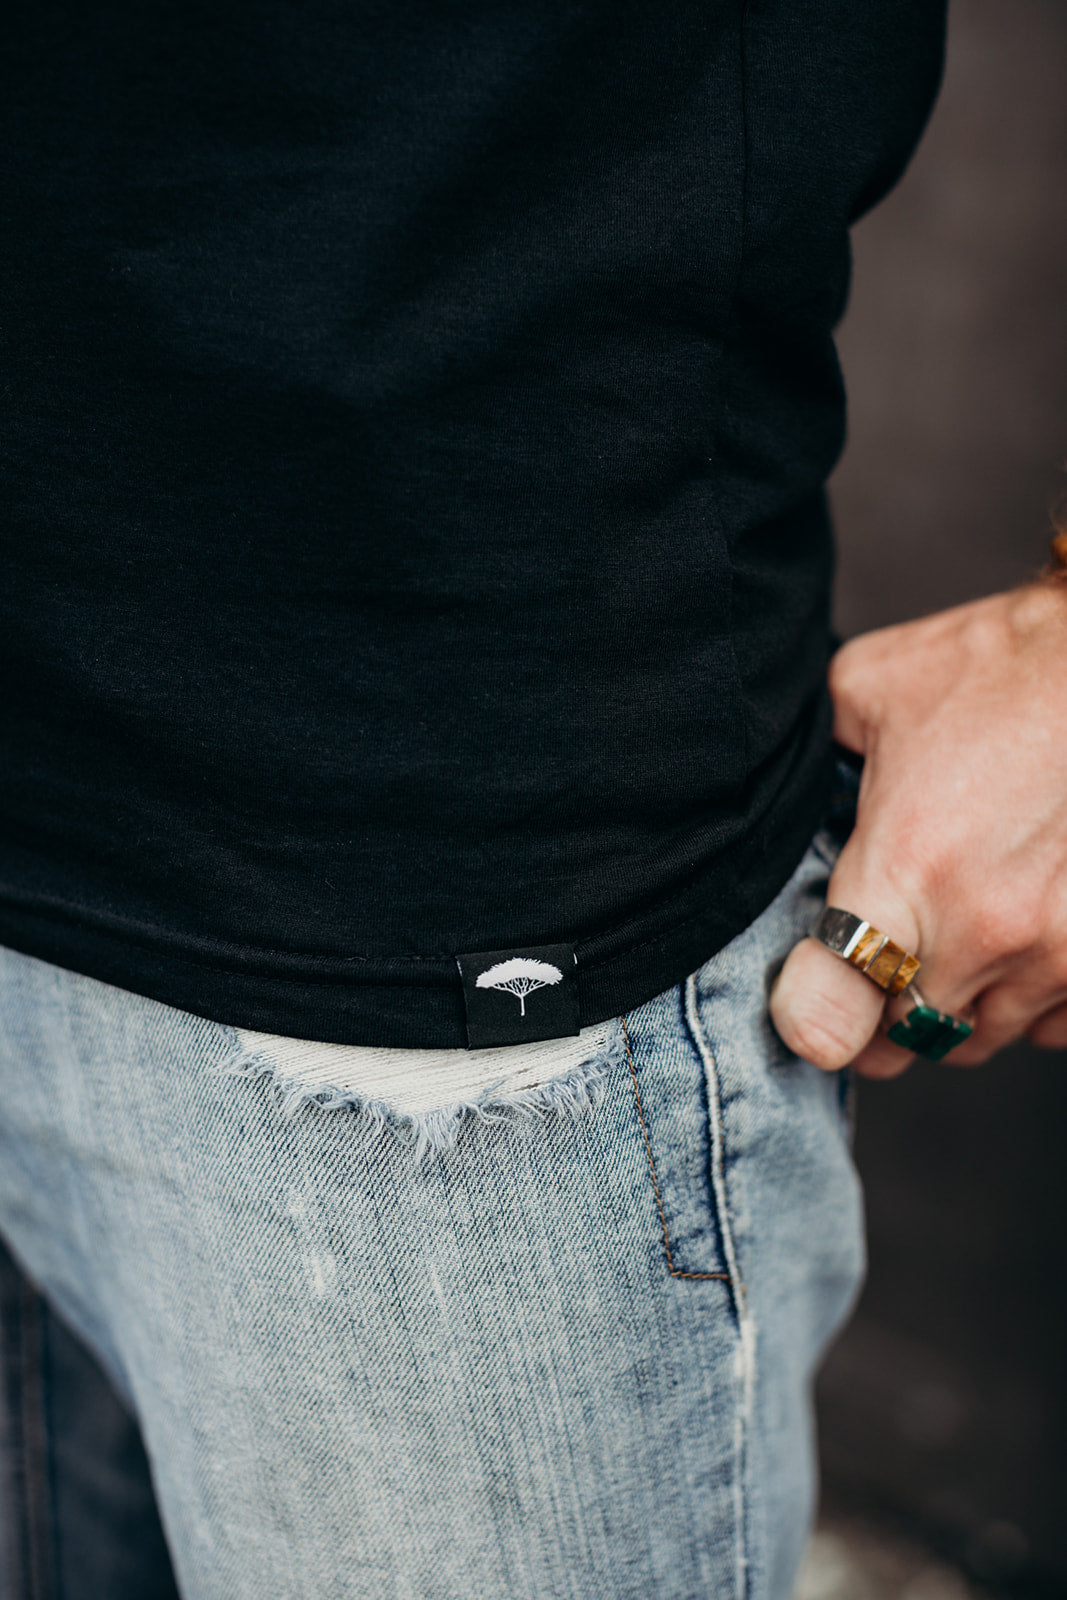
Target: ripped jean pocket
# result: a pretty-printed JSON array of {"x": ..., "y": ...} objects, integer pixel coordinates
[{"x": 426, "y": 1098}]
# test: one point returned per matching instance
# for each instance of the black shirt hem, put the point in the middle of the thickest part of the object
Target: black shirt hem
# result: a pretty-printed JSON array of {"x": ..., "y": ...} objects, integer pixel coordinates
[{"x": 418, "y": 1003}]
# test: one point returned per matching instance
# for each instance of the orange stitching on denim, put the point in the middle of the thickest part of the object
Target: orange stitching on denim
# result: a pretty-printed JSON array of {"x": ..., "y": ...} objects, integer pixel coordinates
[{"x": 674, "y": 1271}]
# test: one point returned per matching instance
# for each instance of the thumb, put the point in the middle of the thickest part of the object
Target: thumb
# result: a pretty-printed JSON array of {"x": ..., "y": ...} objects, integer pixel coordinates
[{"x": 826, "y": 1010}]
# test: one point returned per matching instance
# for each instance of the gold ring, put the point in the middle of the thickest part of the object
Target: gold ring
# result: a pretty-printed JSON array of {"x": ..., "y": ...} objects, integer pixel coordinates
[
  {"x": 925, "y": 1031},
  {"x": 888, "y": 965}
]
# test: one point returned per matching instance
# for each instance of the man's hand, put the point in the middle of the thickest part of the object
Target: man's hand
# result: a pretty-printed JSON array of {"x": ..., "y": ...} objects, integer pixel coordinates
[{"x": 960, "y": 846}]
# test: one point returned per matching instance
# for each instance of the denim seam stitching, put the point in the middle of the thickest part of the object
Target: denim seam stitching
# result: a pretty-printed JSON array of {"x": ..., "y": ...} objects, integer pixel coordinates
[
  {"x": 674, "y": 1271},
  {"x": 745, "y": 1327},
  {"x": 35, "y": 1441},
  {"x": 49, "y": 1465}
]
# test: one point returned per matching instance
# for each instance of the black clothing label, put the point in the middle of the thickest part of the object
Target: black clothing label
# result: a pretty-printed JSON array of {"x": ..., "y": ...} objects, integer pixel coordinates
[{"x": 518, "y": 996}]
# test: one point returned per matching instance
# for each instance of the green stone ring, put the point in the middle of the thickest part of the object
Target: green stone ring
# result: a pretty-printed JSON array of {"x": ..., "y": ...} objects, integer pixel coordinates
[
  {"x": 928, "y": 1032},
  {"x": 924, "y": 1031}
]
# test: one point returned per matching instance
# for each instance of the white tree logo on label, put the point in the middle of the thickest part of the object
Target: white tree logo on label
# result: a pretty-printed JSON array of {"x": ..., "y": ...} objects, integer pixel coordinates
[{"x": 520, "y": 976}]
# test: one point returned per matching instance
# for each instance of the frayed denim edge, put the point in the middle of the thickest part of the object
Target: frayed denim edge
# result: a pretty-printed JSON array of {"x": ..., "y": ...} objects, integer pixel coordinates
[{"x": 435, "y": 1132}]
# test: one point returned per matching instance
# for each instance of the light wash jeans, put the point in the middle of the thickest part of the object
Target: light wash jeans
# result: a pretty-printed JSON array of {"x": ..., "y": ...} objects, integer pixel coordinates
[{"x": 554, "y": 1339}]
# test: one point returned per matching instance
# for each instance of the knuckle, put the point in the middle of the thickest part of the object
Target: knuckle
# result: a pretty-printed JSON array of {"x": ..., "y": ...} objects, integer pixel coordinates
[
  {"x": 840, "y": 672},
  {"x": 898, "y": 888},
  {"x": 984, "y": 932},
  {"x": 1021, "y": 926},
  {"x": 847, "y": 673},
  {"x": 998, "y": 931}
]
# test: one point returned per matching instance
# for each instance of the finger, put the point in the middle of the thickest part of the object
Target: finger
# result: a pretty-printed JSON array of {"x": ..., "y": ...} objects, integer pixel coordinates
[
  {"x": 882, "y": 1058},
  {"x": 1002, "y": 1015},
  {"x": 825, "y": 1010},
  {"x": 999, "y": 1017},
  {"x": 1049, "y": 1032}
]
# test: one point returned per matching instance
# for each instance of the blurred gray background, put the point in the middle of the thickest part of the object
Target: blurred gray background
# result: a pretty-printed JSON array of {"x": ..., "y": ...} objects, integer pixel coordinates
[{"x": 945, "y": 1403}]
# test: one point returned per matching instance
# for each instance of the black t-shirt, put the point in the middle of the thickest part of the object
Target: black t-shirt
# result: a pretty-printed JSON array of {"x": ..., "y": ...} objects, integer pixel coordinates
[{"x": 415, "y": 424}]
